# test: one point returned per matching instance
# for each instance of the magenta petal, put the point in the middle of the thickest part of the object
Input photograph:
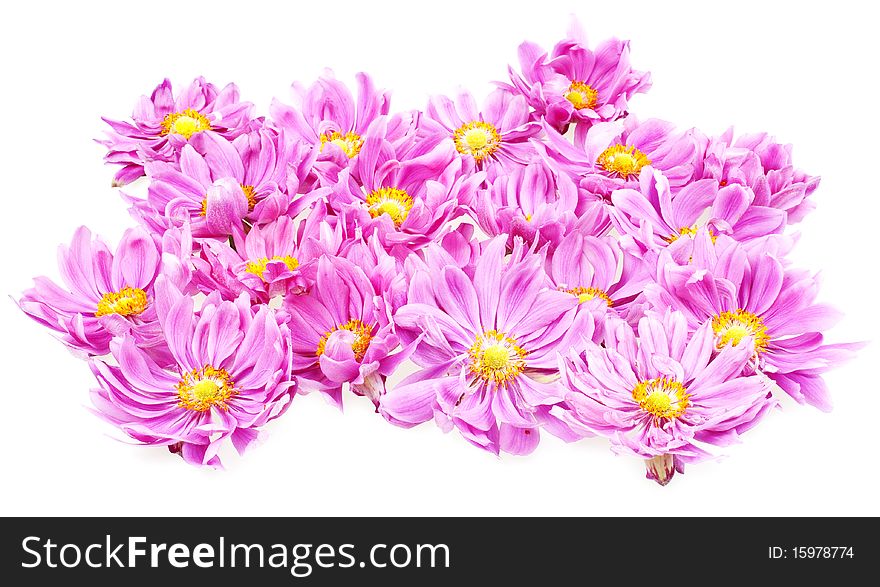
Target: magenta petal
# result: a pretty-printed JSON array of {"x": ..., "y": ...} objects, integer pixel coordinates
[
  {"x": 518, "y": 441},
  {"x": 413, "y": 403}
]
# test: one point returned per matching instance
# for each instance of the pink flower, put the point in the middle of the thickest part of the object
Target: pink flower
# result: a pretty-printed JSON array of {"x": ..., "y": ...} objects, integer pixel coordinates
[
  {"x": 404, "y": 196},
  {"x": 230, "y": 375},
  {"x": 104, "y": 294},
  {"x": 488, "y": 349},
  {"x": 254, "y": 179},
  {"x": 764, "y": 167},
  {"x": 500, "y": 132},
  {"x": 273, "y": 259},
  {"x": 269, "y": 166},
  {"x": 655, "y": 217},
  {"x": 162, "y": 124},
  {"x": 576, "y": 84},
  {"x": 739, "y": 293},
  {"x": 657, "y": 392},
  {"x": 342, "y": 334},
  {"x": 611, "y": 155},
  {"x": 597, "y": 271},
  {"x": 331, "y": 120}
]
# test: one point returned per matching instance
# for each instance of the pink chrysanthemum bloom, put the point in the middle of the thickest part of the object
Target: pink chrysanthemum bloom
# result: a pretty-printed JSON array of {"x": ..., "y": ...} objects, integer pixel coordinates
[
  {"x": 341, "y": 334},
  {"x": 500, "y": 132},
  {"x": 269, "y": 166},
  {"x": 576, "y": 84},
  {"x": 231, "y": 375},
  {"x": 329, "y": 118},
  {"x": 273, "y": 259},
  {"x": 209, "y": 191},
  {"x": 535, "y": 201},
  {"x": 655, "y": 217},
  {"x": 611, "y": 155},
  {"x": 762, "y": 165},
  {"x": 406, "y": 197},
  {"x": 162, "y": 124},
  {"x": 741, "y": 294},
  {"x": 488, "y": 352},
  {"x": 659, "y": 394},
  {"x": 105, "y": 294},
  {"x": 597, "y": 271}
]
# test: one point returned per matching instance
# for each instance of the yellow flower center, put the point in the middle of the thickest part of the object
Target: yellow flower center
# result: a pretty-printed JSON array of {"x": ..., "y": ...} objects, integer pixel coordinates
[
  {"x": 581, "y": 95},
  {"x": 392, "y": 201},
  {"x": 690, "y": 231},
  {"x": 662, "y": 397},
  {"x": 201, "y": 389},
  {"x": 249, "y": 193},
  {"x": 185, "y": 124},
  {"x": 477, "y": 138},
  {"x": 258, "y": 267},
  {"x": 496, "y": 357},
  {"x": 585, "y": 294},
  {"x": 363, "y": 336},
  {"x": 350, "y": 142},
  {"x": 128, "y": 301},
  {"x": 623, "y": 160},
  {"x": 732, "y": 327}
]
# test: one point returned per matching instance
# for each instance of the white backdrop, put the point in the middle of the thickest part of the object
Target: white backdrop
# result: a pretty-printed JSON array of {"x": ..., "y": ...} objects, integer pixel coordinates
[{"x": 804, "y": 71}]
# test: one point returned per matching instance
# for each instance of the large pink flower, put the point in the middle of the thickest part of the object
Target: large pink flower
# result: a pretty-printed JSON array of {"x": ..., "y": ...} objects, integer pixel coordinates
[
  {"x": 105, "y": 294},
  {"x": 231, "y": 375},
  {"x": 488, "y": 349},
  {"x": 749, "y": 293},
  {"x": 658, "y": 393}
]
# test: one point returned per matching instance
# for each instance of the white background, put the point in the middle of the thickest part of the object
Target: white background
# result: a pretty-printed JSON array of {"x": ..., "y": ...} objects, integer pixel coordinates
[{"x": 803, "y": 71}]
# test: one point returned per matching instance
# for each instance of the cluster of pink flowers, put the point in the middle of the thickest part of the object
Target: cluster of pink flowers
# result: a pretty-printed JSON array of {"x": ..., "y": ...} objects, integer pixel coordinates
[{"x": 545, "y": 262}]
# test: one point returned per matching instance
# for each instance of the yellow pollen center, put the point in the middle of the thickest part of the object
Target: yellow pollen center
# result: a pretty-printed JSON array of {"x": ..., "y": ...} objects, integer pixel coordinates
[
  {"x": 185, "y": 124},
  {"x": 662, "y": 397},
  {"x": 581, "y": 95},
  {"x": 585, "y": 294},
  {"x": 249, "y": 193},
  {"x": 624, "y": 161},
  {"x": 392, "y": 201},
  {"x": 350, "y": 142},
  {"x": 128, "y": 301},
  {"x": 496, "y": 357},
  {"x": 201, "y": 389},
  {"x": 732, "y": 327},
  {"x": 206, "y": 390},
  {"x": 657, "y": 403},
  {"x": 258, "y": 267},
  {"x": 690, "y": 231},
  {"x": 477, "y": 138},
  {"x": 363, "y": 336}
]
